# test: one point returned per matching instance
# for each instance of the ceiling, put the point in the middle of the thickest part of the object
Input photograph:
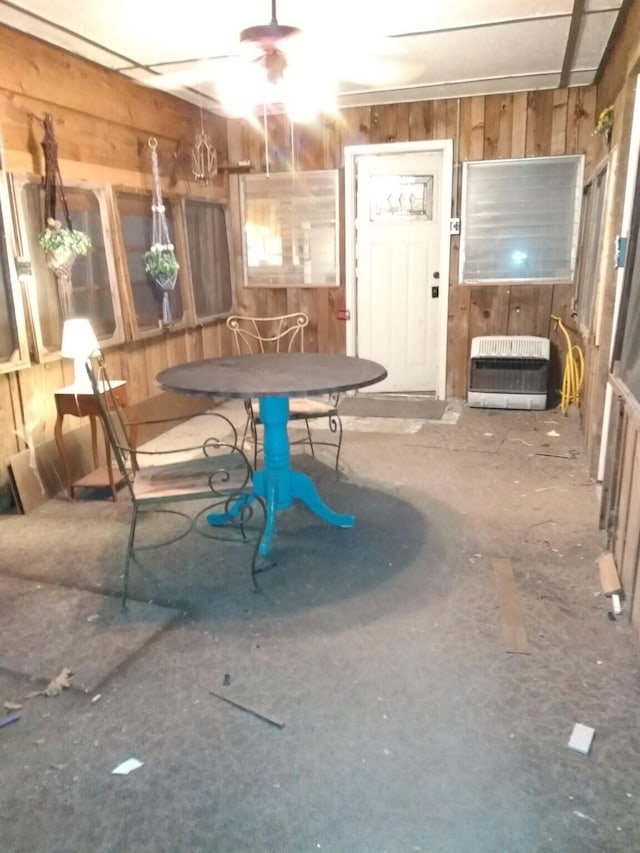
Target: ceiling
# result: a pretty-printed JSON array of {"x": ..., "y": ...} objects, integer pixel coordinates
[{"x": 405, "y": 50}]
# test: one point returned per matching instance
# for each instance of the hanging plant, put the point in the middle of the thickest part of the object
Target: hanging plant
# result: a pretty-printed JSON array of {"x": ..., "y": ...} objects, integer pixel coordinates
[
  {"x": 61, "y": 245},
  {"x": 604, "y": 127},
  {"x": 58, "y": 242},
  {"x": 160, "y": 261}
]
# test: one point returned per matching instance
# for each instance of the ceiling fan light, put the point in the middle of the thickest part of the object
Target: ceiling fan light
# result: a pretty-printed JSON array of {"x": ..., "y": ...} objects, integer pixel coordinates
[{"x": 305, "y": 100}]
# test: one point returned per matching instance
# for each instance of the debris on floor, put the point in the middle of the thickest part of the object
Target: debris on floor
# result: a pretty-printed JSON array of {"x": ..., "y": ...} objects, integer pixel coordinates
[
  {"x": 583, "y": 816},
  {"x": 581, "y": 738},
  {"x": 126, "y": 767},
  {"x": 610, "y": 582},
  {"x": 253, "y": 713},
  {"x": 10, "y": 718},
  {"x": 59, "y": 683},
  {"x": 55, "y": 686}
]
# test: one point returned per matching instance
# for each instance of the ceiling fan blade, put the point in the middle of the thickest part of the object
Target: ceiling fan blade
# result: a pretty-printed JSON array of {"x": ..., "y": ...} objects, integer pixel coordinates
[
  {"x": 197, "y": 71},
  {"x": 374, "y": 61},
  {"x": 380, "y": 71}
]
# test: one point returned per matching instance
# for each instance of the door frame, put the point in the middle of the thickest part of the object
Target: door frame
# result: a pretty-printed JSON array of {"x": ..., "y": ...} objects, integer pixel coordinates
[{"x": 351, "y": 154}]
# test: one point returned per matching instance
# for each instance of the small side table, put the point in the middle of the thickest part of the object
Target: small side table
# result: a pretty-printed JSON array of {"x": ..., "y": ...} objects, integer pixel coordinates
[{"x": 80, "y": 403}]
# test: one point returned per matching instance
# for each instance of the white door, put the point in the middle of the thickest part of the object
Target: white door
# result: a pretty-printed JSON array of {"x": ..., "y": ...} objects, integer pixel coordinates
[{"x": 402, "y": 267}]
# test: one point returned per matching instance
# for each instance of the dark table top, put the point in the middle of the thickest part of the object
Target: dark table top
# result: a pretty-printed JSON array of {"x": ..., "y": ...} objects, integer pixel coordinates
[{"x": 271, "y": 374}]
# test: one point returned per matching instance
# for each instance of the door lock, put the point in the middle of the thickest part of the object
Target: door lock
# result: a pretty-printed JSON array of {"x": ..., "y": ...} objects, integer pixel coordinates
[{"x": 435, "y": 291}]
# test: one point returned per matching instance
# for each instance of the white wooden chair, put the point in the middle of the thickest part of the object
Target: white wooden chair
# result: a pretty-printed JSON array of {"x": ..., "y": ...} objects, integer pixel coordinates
[
  {"x": 284, "y": 333},
  {"x": 208, "y": 469}
]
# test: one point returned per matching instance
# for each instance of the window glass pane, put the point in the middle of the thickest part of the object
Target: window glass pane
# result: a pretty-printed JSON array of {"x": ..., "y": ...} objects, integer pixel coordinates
[
  {"x": 520, "y": 219},
  {"x": 137, "y": 230},
  {"x": 290, "y": 228},
  {"x": 589, "y": 251},
  {"x": 91, "y": 294},
  {"x": 628, "y": 342},
  {"x": 8, "y": 334},
  {"x": 209, "y": 258},
  {"x": 401, "y": 197}
]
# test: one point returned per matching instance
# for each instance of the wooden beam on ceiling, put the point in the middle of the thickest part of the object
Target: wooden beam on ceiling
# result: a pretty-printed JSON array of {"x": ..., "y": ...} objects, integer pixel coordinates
[{"x": 577, "y": 16}]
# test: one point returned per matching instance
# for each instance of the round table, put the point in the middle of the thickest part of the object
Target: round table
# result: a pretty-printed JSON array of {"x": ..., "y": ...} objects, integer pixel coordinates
[{"x": 273, "y": 378}]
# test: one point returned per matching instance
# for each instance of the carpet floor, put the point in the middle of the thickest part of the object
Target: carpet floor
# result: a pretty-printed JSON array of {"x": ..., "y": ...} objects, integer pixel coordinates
[{"x": 405, "y": 721}]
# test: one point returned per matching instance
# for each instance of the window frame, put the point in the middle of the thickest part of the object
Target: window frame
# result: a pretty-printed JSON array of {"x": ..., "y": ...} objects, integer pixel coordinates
[
  {"x": 24, "y": 300},
  {"x": 16, "y": 279},
  {"x": 184, "y": 235},
  {"x": 274, "y": 276},
  {"x": 468, "y": 167},
  {"x": 595, "y": 197},
  {"x": 135, "y": 331},
  {"x": 43, "y": 353}
]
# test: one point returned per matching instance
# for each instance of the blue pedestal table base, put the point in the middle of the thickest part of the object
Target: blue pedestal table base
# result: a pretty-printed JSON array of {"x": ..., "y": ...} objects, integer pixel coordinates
[{"x": 277, "y": 483}]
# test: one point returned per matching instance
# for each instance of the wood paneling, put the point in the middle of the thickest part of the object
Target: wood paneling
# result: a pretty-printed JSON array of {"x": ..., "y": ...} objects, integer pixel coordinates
[
  {"x": 103, "y": 123},
  {"x": 491, "y": 127},
  {"x": 621, "y": 515},
  {"x": 623, "y": 60}
]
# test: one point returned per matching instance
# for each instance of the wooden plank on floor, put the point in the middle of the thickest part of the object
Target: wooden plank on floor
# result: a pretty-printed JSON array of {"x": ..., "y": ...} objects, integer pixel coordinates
[
  {"x": 38, "y": 475},
  {"x": 609, "y": 580},
  {"x": 513, "y": 627}
]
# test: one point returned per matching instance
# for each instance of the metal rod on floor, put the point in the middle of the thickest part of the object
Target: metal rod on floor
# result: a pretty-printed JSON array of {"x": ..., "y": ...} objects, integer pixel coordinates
[{"x": 248, "y": 710}]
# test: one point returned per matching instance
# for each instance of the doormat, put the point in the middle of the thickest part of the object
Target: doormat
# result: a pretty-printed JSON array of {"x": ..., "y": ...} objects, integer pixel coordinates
[
  {"x": 424, "y": 408},
  {"x": 47, "y": 628}
]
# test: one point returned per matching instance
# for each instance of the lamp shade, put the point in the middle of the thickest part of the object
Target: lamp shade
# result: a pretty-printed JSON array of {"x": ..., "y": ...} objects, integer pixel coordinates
[{"x": 78, "y": 342}]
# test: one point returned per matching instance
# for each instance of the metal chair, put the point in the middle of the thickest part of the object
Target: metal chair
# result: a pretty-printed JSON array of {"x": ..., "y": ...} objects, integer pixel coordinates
[
  {"x": 284, "y": 333},
  {"x": 211, "y": 469}
]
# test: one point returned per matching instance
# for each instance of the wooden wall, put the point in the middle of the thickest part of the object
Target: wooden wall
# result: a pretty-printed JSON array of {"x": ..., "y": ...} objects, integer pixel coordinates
[
  {"x": 620, "y": 505},
  {"x": 617, "y": 87},
  {"x": 482, "y": 128},
  {"x": 103, "y": 122}
]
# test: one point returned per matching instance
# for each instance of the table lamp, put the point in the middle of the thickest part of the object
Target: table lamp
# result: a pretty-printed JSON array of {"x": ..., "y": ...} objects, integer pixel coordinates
[{"x": 78, "y": 342}]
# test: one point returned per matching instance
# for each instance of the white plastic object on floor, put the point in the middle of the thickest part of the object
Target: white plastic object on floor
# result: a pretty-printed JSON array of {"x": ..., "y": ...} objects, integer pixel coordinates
[{"x": 581, "y": 738}]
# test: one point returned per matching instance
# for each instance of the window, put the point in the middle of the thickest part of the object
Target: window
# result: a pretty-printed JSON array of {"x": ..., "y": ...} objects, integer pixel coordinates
[
  {"x": 590, "y": 240},
  {"x": 14, "y": 350},
  {"x": 136, "y": 227},
  {"x": 208, "y": 244},
  {"x": 109, "y": 285},
  {"x": 291, "y": 229},
  {"x": 93, "y": 282},
  {"x": 520, "y": 219}
]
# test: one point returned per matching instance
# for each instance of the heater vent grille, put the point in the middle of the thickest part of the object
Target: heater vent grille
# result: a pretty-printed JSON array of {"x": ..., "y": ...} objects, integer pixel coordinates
[
  {"x": 509, "y": 372},
  {"x": 510, "y": 346}
]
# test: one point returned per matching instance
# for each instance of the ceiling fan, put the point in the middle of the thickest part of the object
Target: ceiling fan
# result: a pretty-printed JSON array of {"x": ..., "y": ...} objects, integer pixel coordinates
[
  {"x": 267, "y": 41},
  {"x": 276, "y": 64}
]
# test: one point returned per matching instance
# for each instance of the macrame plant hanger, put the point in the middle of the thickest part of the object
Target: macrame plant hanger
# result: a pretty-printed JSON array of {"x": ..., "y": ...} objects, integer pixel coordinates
[
  {"x": 59, "y": 261},
  {"x": 160, "y": 260}
]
